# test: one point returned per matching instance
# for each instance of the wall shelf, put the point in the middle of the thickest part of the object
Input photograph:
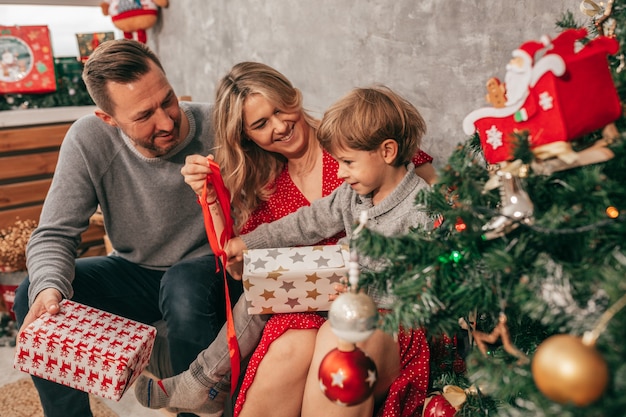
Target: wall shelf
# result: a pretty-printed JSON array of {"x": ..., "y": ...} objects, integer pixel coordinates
[{"x": 29, "y": 117}]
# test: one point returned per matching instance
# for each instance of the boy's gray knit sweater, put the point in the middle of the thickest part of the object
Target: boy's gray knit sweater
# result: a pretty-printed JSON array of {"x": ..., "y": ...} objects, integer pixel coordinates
[
  {"x": 325, "y": 217},
  {"x": 151, "y": 215}
]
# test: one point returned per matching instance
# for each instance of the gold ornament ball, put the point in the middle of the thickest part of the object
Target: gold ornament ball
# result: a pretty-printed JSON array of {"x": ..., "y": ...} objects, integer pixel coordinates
[{"x": 568, "y": 371}]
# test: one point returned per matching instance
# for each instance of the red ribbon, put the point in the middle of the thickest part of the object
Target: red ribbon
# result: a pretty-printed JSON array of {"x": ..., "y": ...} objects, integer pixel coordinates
[{"x": 223, "y": 197}]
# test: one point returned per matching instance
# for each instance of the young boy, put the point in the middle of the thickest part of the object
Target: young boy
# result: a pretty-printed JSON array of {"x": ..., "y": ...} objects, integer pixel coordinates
[{"x": 372, "y": 133}]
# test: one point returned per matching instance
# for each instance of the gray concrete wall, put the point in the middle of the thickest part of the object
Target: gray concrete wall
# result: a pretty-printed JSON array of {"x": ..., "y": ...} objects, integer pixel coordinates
[{"x": 437, "y": 53}]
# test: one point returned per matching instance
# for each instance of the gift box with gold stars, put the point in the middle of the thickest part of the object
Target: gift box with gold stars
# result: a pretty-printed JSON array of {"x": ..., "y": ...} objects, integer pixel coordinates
[{"x": 289, "y": 280}]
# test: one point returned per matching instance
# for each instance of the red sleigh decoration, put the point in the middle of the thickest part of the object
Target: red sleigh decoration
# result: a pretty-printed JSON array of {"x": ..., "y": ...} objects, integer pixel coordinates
[{"x": 571, "y": 95}]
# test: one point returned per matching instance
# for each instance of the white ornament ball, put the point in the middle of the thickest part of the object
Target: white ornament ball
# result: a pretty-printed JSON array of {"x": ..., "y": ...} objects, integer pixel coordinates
[{"x": 353, "y": 316}]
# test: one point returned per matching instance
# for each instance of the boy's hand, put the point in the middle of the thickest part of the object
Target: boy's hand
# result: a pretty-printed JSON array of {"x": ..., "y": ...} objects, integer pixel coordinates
[
  {"x": 234, "y": 251},
  {"x": 340, "y": 288},
  {"x": 235, "y": 269}
]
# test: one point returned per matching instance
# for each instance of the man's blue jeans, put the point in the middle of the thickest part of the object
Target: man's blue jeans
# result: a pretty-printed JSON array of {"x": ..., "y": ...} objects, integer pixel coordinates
[{"x": 189, "y": 296}]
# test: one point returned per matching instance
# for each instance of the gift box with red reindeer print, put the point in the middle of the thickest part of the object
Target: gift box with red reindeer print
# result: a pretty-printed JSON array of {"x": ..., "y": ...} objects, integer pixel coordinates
[{"x": 86, "y": 348}]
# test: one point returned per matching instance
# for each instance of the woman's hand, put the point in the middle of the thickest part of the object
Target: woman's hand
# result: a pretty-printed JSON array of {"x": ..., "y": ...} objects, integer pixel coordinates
[{"x": 195, "y": 172}]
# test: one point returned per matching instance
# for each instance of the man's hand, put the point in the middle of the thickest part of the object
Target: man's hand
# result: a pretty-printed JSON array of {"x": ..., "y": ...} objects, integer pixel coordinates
[{"x": 47, "y": 301}]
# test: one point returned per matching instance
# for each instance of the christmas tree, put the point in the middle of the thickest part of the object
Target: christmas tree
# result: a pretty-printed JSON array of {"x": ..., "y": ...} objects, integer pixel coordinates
[{"x": 520, "y": 284}]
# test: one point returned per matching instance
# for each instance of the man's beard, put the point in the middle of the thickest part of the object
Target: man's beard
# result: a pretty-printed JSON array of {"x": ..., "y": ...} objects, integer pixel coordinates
[
  {"x": 517, "y": 83},
  {"x": 154, "y": 149}
]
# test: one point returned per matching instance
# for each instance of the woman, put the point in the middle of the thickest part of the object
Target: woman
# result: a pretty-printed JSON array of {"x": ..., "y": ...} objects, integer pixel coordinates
[{"x": 272, "y": 164}]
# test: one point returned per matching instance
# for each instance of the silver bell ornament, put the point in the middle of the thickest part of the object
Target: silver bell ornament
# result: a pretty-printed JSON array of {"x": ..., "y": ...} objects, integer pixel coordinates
[{"x": 516, "y": 206}]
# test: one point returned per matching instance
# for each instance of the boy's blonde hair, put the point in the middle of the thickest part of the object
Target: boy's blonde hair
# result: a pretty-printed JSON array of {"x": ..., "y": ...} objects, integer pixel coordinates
[{"x": 366, "y": 117}]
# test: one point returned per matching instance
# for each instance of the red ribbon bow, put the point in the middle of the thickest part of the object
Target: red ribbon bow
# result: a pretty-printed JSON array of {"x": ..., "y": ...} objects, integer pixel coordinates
[{"x": 223, "y": 197}]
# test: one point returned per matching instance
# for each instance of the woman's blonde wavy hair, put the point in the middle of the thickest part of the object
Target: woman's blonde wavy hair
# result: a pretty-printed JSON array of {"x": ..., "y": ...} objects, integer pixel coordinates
[{"x": 248, "y": 170}]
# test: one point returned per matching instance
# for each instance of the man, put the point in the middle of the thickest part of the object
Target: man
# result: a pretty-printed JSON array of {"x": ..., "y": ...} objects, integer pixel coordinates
[{"x": 127, "y": 159}]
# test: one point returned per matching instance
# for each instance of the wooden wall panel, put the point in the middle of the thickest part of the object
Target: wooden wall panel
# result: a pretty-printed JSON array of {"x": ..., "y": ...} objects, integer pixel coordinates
[{"x": 28, "y": 157}]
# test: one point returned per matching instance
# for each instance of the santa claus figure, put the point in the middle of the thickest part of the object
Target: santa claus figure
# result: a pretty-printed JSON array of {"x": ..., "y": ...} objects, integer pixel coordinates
[
  {"x": 520, "y": 72},
  {"x": 522, "y": 101}
]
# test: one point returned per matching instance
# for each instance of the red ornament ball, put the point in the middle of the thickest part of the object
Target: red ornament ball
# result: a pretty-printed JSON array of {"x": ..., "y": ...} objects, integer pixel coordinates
[
  {"x": 438, "y": 406},
  {"x": 347, "y": 377}
]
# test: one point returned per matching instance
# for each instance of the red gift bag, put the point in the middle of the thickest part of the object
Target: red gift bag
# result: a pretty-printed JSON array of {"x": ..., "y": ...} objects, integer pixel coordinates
[{"x": 8, "y": 297}]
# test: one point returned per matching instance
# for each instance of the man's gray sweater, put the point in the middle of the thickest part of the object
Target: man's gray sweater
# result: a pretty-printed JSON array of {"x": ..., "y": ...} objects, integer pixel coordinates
[{"x": 151, "y": 215}]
